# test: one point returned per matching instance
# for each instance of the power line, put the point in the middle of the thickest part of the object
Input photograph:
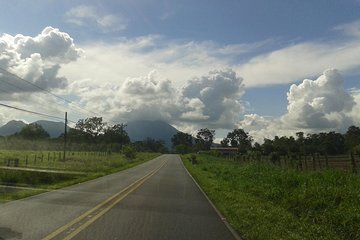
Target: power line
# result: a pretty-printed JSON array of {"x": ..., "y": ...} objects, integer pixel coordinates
[
  {"x": 34, "y": 85},
  {"x": 46, "y": 91},
  {"x": 33, "y": 112}
]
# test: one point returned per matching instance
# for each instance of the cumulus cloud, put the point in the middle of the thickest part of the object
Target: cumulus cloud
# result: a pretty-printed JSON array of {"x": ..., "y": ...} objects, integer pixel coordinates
[
  {"x": 321, "y": 103},
  {"x": 355, "y": 113},
  {"x": 50, "y": 44},
  {"x": 213, "y": 99},
  {"x": 260, "y": 127},
  {"x": 220, "y": 93},
  {"x": 313, "y": 106},
  {"x": 37, "y": 59},
  {"x": 85, "y": 15}
]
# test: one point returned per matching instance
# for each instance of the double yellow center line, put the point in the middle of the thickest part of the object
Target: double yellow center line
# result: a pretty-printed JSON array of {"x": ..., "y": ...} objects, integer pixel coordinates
[{"x": 74, "y": 227}]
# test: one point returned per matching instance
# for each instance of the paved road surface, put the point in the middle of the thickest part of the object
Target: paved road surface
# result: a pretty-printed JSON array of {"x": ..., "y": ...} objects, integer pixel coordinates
[{"x": 155, "y": 200}]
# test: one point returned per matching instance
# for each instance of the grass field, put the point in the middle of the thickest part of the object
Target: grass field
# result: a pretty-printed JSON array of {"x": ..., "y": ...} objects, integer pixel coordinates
[
  {"x": 16, "y": 184},
  {"x": 262, "y": 201}
]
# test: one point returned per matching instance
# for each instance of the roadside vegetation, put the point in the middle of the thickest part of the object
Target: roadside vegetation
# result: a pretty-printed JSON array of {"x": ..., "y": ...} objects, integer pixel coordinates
[
  {"x": 31, "y": 162},
  {"x": 16, "y": 183},
  {"x": 299, "y": 187},
  {"x": 265, "y": 201}
]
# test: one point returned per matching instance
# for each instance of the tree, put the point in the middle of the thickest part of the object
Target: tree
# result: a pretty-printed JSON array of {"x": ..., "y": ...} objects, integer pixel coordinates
[
  {"x": 150, "y": 145},
  {"x": 116, "y": 134},
  {"x": 93, "y": 127},
  {"x": 204, "y": 138},
  {"x": 331, "y": 143},
  {"x": 79, "y": 136},
  {"x": 238, "y": 138},
  {"x": 352, "y": 137},
  {"x": 182, "y": 149},
  {"x": 181, "y": 138},
  {"x": 267, "y": 146},
  {"x": 33, "y": 131}
]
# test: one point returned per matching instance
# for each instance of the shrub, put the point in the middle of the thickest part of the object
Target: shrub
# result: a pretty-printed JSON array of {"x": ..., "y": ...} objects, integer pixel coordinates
[
  {"x": 192, "y": 159},
  {"x": 129, "y": 152}
]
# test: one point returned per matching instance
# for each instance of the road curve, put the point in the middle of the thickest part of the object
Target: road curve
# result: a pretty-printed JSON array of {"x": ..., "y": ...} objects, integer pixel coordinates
[{"x": 155, "y": 200}]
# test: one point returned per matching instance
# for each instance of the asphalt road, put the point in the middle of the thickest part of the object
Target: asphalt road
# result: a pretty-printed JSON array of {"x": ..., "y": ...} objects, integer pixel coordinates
[{"x": 155, "y": 200}]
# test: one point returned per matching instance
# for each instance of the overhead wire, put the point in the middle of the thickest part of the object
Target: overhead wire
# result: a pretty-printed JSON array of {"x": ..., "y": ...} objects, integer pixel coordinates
[
  {"x": 39, "y": 88},
  {"x": 32, "y": 112},
  {"x": 69, "y": 103}
]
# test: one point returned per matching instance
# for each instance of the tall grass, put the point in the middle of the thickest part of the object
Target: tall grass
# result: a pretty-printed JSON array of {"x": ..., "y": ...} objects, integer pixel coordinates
[
  {"x": 74, "y": 161},
  {"x": 92, "y": 165},
  {"x": 263, "y": 201}
]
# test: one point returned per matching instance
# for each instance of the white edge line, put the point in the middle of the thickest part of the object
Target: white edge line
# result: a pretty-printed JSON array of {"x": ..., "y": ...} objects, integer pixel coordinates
[{"x": 223, "y": 219}]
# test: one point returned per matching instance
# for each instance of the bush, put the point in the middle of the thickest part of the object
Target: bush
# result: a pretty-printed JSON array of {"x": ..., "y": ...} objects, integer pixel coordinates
[
  {"x": 192, "y": 159},
  {"x": 129, "y": 152}
]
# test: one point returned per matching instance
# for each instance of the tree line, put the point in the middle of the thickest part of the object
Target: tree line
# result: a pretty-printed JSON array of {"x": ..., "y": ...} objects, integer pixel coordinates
[
  {"x": 331, "y": 143},
  {"x": 92, "y": 134},
  {"x": 94, "y": 131}
]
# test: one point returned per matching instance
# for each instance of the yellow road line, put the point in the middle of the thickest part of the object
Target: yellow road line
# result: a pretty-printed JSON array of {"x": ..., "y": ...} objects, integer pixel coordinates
[{"x": 130, "y": 188}]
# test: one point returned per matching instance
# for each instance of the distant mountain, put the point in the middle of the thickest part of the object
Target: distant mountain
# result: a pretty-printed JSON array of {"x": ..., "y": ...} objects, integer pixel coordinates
[
  {"x": 11, "y": 127},
  {"x": 55, "y": 129},
  {"x": 137, "y": 130},
  {"x": 158, "y": 130}
]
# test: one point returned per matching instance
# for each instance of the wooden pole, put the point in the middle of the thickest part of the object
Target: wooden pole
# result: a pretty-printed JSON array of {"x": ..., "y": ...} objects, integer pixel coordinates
[
  {"x": 65, "y": 133},
  {"x": 353, "y": 163}
]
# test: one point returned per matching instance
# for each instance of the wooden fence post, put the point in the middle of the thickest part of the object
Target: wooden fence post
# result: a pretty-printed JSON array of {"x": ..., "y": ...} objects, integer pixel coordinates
[
  {"x": 313, "y": 161},
  {"x": 353, "y": 163},
  {"x": 319, "y": 161},
  {"x": 305, "y": 161},
  {"x": 300, "y": 162},
  {"x": 326, "y": 161}
]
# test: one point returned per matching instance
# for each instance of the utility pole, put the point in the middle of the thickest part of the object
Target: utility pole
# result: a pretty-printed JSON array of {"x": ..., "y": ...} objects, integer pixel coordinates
[{"x": 65, "y": 133}]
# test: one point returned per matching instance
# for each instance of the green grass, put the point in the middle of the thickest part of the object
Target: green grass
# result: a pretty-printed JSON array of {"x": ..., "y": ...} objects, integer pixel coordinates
[
  {"x": 93, "y": 166},
  {"x": 74, "y": 161},
  {"x": 262, "y": 201}
]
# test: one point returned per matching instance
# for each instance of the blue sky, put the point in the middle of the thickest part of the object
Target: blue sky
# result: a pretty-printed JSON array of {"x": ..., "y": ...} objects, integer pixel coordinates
[
  {"x": 120, "y": 44},
  {"x": 232, "y": 21}
]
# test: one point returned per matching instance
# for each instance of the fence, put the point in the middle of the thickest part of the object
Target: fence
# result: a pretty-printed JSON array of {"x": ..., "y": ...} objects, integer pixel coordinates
[
  {"x": 43, "y": 159},
  {"x": 347, "y": 162}
]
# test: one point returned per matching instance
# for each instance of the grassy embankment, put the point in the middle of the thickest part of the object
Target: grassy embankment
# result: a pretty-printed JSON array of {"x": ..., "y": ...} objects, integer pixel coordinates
[
  {"x": 262, "y": 201},
  {"x": 17, "y": 184}
]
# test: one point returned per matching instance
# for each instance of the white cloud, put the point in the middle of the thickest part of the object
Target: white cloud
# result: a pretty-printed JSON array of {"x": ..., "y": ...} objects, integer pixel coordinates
[
  {"x": 178, "y": 61},
  {"x": 182, "y": 60},
  {"x": 350, "y": 29},
  {"x": 51, "y": 44},
  {"x": 313, "y": 106},
  {"x": 321, "y": 103},
  {"x": 106, "y": 79},
  {"x": 212, "y": 100},
  {"x": 298, "y": 61},
  {"x": 36, "y": 59},
  {"x": 220, "y": 93},
  {"x": 355, "y": 113},
  {"x": 85, "y": 15}
]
